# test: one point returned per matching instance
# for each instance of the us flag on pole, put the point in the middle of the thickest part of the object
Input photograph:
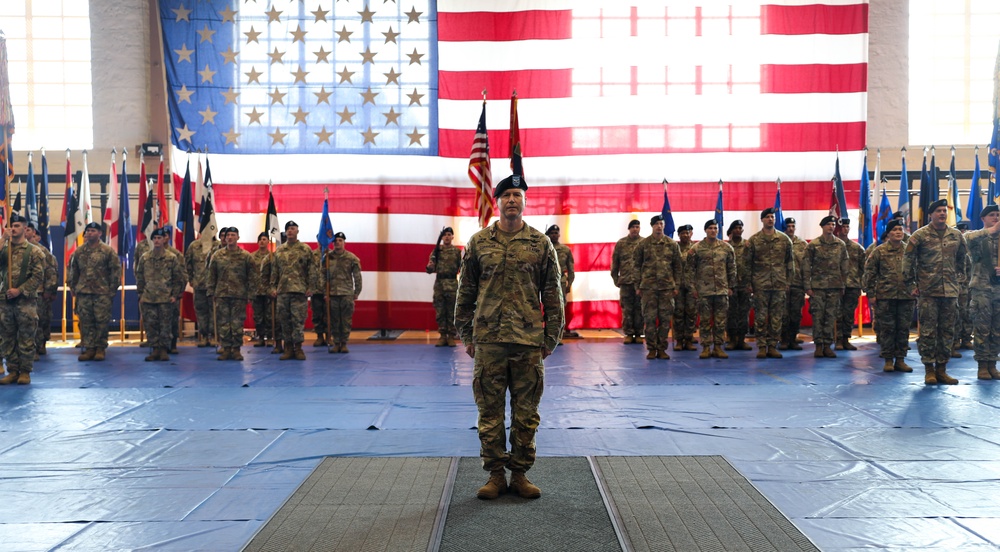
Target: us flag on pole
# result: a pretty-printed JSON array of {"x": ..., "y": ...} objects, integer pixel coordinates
[
  {"x": 480, "y": 172},
  {"x": 379, "y": 102}
]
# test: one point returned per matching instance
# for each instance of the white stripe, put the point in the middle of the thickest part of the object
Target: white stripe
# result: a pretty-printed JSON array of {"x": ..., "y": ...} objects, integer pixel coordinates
[{"x": 467, "y": 6}]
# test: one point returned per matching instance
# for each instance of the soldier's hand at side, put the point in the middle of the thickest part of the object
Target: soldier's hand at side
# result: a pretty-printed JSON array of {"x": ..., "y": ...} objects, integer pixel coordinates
[
  {"x": 638, "y": 293},
  {"x": 13, "y": 293},
  {"x": 470, "y": 350},
  {"x": 915, "y": 293},
  {"x": 677, "y": 292},
  {"x": 809, "y": 293}
]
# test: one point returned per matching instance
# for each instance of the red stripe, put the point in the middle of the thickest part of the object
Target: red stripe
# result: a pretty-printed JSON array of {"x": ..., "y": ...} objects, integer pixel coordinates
[
  {"x": 504, "y": 26},
  {"x": 551, "y": 200},
  {"x": 814, "y": 79},
  {"x": 814, "y": 19},
  {"x": 468, "y": 85},
  {"x": 558, "y": 142}
]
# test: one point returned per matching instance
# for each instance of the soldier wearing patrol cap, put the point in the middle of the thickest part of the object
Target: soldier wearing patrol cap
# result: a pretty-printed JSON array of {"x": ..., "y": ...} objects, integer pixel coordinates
[
  {"x": 660, "y": 269},
  {"x": 509, "y": 313},
  {"x": 738, "y": 321},
  {"x": 796, "y": 292},
  {"x": 21, "y": 282},
  {"x": 685, "y": 305},
  {"x": 342, "y": 274},
  {"x": 772, "y": 268},
  {"x": 94, "y": 276},
  {"x": 852, "y": 287},
  {"x": 566, "y": 267},
  {"x": 888, "y": 294},
  {"x": 985, "y": 292},
  {"x": 624, "y": 276},
  {"x": 293, "y": 273},
  {"x": 934, "y": 257}
]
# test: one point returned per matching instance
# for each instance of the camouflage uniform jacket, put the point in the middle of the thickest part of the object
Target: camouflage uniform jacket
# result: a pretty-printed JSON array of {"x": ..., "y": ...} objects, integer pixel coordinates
[
  {"x": 230, "y": 274},
  {"x": 772, "y": 265},
  {"x": 196, "y": 262},
  {"x": 658, "y": 263},
  {"x": 983, "y": 252},
  {"x": 141, "y": 248},
  {"x": 686, "y": 282},
  {"x": 94, "y": 269},
  {"x": 799, "y": 252},
  {"x": 317, "y": 254},
  {"x": 711, "y": 266},
  {"x": 825, "y": 264},
  {"x": 742, "y": 250},
  {"x": 855, "y": 264},
  {"x": 884, "y": 273},
  {"x": 449, "y": 262},
  {"x": 623, "y": 261},
  {"x": 507, "y": 284},
  {"x": 29, "y": 281},
  {"x": 565, "y": 257},
  {"x": 293, "y": 269},
  {"x": 933, "y": 260},
  {"x": 343, "y": 273},
  {"x": 258, "y": 286},
  {"x": 159, "y": 276},
  {"x": 51, "y": 279}
]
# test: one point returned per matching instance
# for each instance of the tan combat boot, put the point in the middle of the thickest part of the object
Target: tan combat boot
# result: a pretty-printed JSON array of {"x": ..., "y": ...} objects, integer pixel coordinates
[
  {"x": 651, "y": 354},
  {"x": 773, "y": 353},
  {"x": 99, "y": 353},
  {"x": 451, "y": 341},
  {"x": 629, "y": 339},
  {"x": 930, "y": 375},
  {"x": 706, "y": 352},
  {"x": 24, "y": 378},
  {"x": 992, "y": 368},
  {"x": 224, "y": 355},
  {"x": 818, "y": 353},
  {"x": 761, "y": 352},
  {"x": 278, "y": 347},
  {"x": 983, "y": 373},
  {"x": 343, "y": 348},
  {"x": 888, "y": 366},
  {"x": 87, "y": 355},
  {"x": 637, "y": 340},
  {"x": 153, "y": 355},
  {"x": 955, "y": 353},
  {"x": 161, "y": 354},
  {"x": 902, "y": 366},
  {"x": 235, "y": 354},
  {"x": 520, "y": 485},
  {"x": 10, "y": 378},
  {"x": 942, "y": 374},
  {"x": 493, "y": 488},
  {"x": 288, "y": 352},
  {"x": 662, "y": 354},
  {"x": 335, "y": 348},
  {"x": 719, "y": 352},
  {"x": 320, "y": 340},
  {"x": 442, "y": 341},
  {"x": 299, "y": 353},
  {"x": 845, "y": 344},
  {"x": 828, "y": 352},
  {"x": 202, "y": 340},
  {"x": 689, "y": 345}
]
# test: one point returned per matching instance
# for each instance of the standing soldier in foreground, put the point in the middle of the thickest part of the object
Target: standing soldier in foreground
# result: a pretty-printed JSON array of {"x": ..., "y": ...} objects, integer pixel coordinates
[
  {"x": 48, "y": 292},
  {"x": 772, "y": 268},
  {"x": 985, "y": 291},
  {"x": 686, "y": 305},
  {"x": 567, "y": 268},
  {"x": 627, "y": 281},
  {"x": 293, "y": 273},
  {"x": 796, "y": 292},
  {"x": 260, "y": 301},
  {"x": 659, "y": 268},
  {"x": 824, "y": 272},
  {"x": 888, "y": 293},
  {"x": 20, "y": 282},
  {"x": 229, "y": 277},
  {"x": 445, "y": 262},
  {"x": 852, "y": 287},
  {"x": 159, "y": 279},
  {"x": 343, "y": 276},
  {"x": 932, "y": 260},
  {"x": 94, "y": 276},
  {"x": 509, "y": 313},
  {"x": 738, "y": 321},
  {"x": 711, "y": 267}
]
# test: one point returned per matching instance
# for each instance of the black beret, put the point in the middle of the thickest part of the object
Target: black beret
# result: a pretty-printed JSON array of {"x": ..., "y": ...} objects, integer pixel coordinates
[
  {"x": 340, "y": 235},
  {"x": 446, "y": 230},
  {"x": 634, "y": 222},
  {"x": 898, "y": 215},
  {"x": 32, "y": 225},
  {"x": 827, "y": 220},
  {"x": 937, "y": 205},
  {"x": 988, "y": 209},
  {"x": 160, "y": 232},
  {"x": 290, "y": 224},
  {"x": 655, "y": 219},
  {"x": 15, "y": 217},
  {"x": 844, "y": 221},
  {"x": 768, "y": 211},
  {"x": 962, "y": 225},
  {"x": 553, "y": 228},
  {"x": 733, "y": 225},
  {"x": 512, "y": 181},
  {"x": 790, "y": 220},
  {"x": 892, "y": 224},
  {"x": 93, "y": 225},
  {"x": 711, "y": 222},
  {"x": 687, "y": 227},
  {"x": 262, "y": 235},
  {"x": 233, "y": 230}
]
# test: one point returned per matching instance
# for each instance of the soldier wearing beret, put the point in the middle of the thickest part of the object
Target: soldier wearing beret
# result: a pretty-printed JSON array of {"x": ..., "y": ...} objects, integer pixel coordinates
[
  {"x": 261, "y": 302},
  {"x": 318, "y": 298},
  {"x": 824, "y": 273},
  {"x": 342, "y": 276},
  {"x": 230, "y": 275},
  {"x": 509, "y": 313},
  {"x": 685, "y": 305},
  {"x": 159, "y": 280},
  {"x": 772, "y": 268},
  {"x": 985, "y": 292},
  {"x": 293, "y": 273},
  {"x": 888, "y": 293},
  {"x": 852, "y": 287},
  {"x": 566, "y": 266},
  {"x": 660, "y": 268},
  {"x": 711, "y": 268},
  {"x": 934, "y": 257},
  {"x": 738, "y": 321},
  {"x": 48, "y": 292},
  {"x": 796, "y": 292},
  {"x": 94, "y": 276},
  {"x": 624, "y": 276},
  {"x": 445, "y": 262},
  {"x": 196, "y": 267},
  {"x": 20, "y": 282}
]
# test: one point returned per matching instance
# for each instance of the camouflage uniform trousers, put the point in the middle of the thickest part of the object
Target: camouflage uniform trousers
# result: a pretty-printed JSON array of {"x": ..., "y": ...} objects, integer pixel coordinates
[
  {"x": 892, "y": 326},
  {"x": 158, "y": 319},
  {"x": 94, "y": 312},
  {"x": 848, "y": 306},
  {"x": 44, "y": 333},
  {"x": 497, "y": 368},
  {"x": 685, "y": 315},
  {"x": 631, "y": 310},
  {"x": 963, "y": 331},
  {"x": 793, "y": 318},
  {"x": 204, "y": 314},
  {"x": 292, "y": 317},
  {"x": 824, "y": 306},
  {"x": 986, "y": 324},
  {"x": 231, "y": 315},
  {"x": 713, "y": 311},
  {"x": 341, "y": 313},
  {"x": 318, "y": 301},
  {"x": 936, "y": 316},
  {"x": 262, "y": 305},
  {"x": 769, "y": 315},
  {"x": 18, "y": 323},
  {"x": 657, "y": 305},
  {"x": 738, "y": 321},
  {"x": 444, "y": 309}
]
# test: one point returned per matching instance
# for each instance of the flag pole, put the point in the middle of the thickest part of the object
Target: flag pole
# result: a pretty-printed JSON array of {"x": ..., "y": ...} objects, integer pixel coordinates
[
  {"x": 326, "y": 272},
  {"x": 121, "y": 320},
  {"x": 65, "y": 255},
  {"x": 270, "y": 263}
]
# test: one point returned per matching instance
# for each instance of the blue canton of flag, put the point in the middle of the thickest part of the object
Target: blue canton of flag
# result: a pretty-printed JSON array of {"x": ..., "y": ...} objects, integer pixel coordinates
[{"x": 253, "y": 78}]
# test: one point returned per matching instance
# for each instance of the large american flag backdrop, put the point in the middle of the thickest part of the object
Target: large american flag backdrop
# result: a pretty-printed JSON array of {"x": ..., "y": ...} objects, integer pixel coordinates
[{"x": 378, "y": 102}]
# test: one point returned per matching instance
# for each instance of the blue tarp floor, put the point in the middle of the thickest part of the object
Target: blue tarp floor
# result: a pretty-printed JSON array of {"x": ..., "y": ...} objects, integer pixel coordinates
[{"x": 197, "y": 454}]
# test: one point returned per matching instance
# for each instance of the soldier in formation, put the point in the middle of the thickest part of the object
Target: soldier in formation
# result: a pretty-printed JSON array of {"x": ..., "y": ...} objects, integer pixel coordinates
[
  {"x": 94, "y": 276},
  {"x": 230, "y": 275},
  {"x": 963, "y": 331},
  {"x": 196, "y": 264},
  {"x": 796, "y": 292},
  {"x": 48, "y": 292},
  {"x": 342, "y": 283},
  {"x": 566, "y": 267},
  {"x": 145, "y": 246},
  {"x": 985, "y": 292},
  {"x": 685, "y": 305},
  {"x": 934, "y": 257},
  {"x": 445, "y": 262},
  {"x": 888, "y": 292},
  {"x": 659, "y": 267},
  {"x": 824, "y": 273},
  {"x": 852, "y": 286},
  {"x": 738, "y": 321},
  {"x": 772, "y": 268},
  {"x": 260, "y": 301},
  {"x": 509, "y": 313},
  {"x": 293, "y": 274},
  {"x": 318, "y": 299},
  {"x": 626, "y": 280},
  {"x": 20, "y": 282},
  {"x": 159, "y": 280},
  {"x": 711, "y": 267}
]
